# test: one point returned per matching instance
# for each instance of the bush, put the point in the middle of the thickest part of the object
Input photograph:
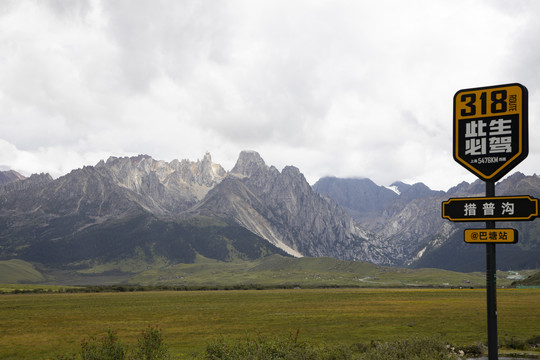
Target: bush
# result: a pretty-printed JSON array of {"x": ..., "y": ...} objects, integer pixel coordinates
[
  {"x": 410, "y": 349},
  {"x": 108, "y": 347},
  {"x": 534, "y": 341},
  {"x": 259, "y": 348},
  {"x": 150, "y": 346},
  {"x": 518, "y": 344},
  {"x": 514, "y": 343},
  {"x": 263, "y": 348},
  {"x": 474, "y": 350}
]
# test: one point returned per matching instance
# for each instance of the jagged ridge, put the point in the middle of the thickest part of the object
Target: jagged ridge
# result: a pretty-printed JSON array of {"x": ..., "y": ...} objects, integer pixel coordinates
[{"x": 108, "y": 209}]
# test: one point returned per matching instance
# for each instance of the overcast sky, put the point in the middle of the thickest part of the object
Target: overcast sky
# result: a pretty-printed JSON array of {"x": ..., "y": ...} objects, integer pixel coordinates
[{"x": 343, "y": 88}]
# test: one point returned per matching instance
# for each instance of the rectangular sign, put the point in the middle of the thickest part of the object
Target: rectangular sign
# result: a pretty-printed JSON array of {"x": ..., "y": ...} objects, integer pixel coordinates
[
  {"x": 502, "y": 236},
  {"x": 491, "y": 129},
  {"x": 501, "y": 208}
]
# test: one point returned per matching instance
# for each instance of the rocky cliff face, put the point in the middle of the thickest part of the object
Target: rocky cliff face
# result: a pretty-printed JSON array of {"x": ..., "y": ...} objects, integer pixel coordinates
[
  {"x": 116, "y": 186},
  {"x": 40, "y": 214},
  {"x": 160, "y": 187},
  {"x": 40, "y": 209},
  {"x": 36, "y": 180},
  {"x": 143, "y": 208},
  {"x": 411, "y": 231},
  {"x": 404, "y": 222},
  {"x": 283, "y": 208},
  {"x": 362, "y": 198}
]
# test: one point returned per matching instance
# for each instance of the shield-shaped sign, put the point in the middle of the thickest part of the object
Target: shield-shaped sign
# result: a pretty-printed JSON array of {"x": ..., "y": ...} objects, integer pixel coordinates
[{"x": 491, "y": 129}]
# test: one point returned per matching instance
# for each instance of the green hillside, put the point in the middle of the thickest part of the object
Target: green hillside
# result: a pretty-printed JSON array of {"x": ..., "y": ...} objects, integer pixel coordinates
[
  {"x": 278, "y": 271},
  {"x": 271, "y": 271},
  {"x": 138, "y": 241},
  {"x": 532, "y": 280},
  {"x": 18, "y": 271}
]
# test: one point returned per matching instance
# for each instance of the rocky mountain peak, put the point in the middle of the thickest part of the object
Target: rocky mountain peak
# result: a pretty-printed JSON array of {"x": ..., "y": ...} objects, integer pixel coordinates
[
  {"x": 420, "y": 190},
  {"x": 9, "y": 176},
  {"x": 249, "y": 163},
  {"x": 35, "y": 180},
  {"x": 291, "y": 171},
  {"x": 209, "y": 173},
  {"x": 400, "y": 186},
  {"x": 517, "y": 184},
  {"x": 283, "y": 208},
  {"x": 359, "y": 196},
  {"x": 478, "y": 187},
  {"x": 459, "y": 188},
  {"x": 293, "y": 174},
  {"x": 127, "y": 203},
  {"x": 415, "y": 191},
  {"x": 131, "y": 171}
]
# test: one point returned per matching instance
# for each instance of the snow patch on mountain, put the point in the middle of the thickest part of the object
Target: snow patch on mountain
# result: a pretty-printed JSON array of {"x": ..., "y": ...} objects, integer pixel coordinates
[{"x": 394, "y": 189}]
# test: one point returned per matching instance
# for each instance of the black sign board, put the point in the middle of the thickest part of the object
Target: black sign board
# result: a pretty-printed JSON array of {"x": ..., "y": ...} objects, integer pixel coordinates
[
  {"x": 491, "y": 129},
  {"x": 500, "y": 208}
]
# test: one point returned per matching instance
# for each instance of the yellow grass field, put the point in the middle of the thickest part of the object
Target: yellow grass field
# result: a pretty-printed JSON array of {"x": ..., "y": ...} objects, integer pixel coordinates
[{"x": 40, "y": 326}]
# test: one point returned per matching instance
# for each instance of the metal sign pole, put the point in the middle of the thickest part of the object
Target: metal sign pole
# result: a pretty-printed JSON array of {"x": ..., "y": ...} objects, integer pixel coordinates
[{"x": 491, "y": 286}]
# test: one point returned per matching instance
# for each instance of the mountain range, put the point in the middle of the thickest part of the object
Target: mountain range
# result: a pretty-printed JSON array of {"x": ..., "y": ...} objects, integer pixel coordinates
[
  {"x": 408, "y": 222},
  {"x": 132, "y": 213}
]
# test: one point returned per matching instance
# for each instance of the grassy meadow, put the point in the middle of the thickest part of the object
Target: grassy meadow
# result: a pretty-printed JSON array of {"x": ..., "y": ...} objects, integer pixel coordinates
[
  {"x": 271, "y": 271},
  {"x": 14, "y": 270},
  {"x": 40, "y": 326}
]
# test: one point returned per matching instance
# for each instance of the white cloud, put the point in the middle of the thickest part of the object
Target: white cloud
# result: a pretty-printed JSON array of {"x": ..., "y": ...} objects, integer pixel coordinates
[{"x": 344, "y": 88}]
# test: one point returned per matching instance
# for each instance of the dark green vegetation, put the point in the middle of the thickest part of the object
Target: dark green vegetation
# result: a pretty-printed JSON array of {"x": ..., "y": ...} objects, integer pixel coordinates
[
  {"x": 273, "y": 271},
  {"x": 40, "y": 325},
  {"x": 468, "y": 257},
  {"x": 533, "y": 280},
  {"x": 14, "y": 271},
  {"x": 150, "y": 346},
  {"x": 263, "y": 348},
  {"x": 309, "y": 272},
  {"x": 140, "y": 240}
]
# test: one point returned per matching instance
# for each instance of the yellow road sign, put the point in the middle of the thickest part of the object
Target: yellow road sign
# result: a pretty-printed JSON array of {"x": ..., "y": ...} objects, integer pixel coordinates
[
  {"x": 503, "y": 236},
  {"x": 491, "y": 129}
]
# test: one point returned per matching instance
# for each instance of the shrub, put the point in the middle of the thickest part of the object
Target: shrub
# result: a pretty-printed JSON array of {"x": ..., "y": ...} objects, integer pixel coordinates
[
  {"x": 263, "y": 348},
  {"x": 534, "y": 341},
  {"x": 150, "y": 346},
  {"x": 474, "y": 350},
  {"x": 518, "y": 344},
  {"x": 410, "y": 349},
  {"x": 258, "y": 348},
  {"x": 108, "y": 347},
  {"x": 514, "y": 343}
]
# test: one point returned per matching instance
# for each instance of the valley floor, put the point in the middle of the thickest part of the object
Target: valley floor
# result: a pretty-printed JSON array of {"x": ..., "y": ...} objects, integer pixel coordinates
[{"x": 40, "y": 325}]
